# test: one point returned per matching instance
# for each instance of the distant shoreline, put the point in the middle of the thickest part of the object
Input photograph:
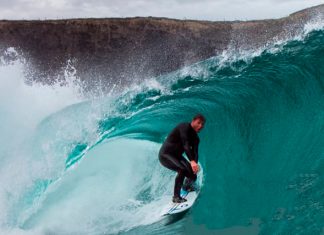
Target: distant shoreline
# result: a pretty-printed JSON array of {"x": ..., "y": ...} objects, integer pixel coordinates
[{"x": 119, "y": 49}]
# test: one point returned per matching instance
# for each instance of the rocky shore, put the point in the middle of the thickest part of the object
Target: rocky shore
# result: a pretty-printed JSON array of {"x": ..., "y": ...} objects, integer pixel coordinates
[{"x": 116, "y": 50}]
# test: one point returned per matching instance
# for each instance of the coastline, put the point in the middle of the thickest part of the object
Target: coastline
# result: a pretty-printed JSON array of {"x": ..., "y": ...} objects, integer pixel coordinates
[{"x": 119, "y": 49}]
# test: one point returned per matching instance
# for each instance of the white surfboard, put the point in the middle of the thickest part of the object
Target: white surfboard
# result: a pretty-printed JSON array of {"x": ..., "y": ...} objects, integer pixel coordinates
[{"x": 176, "y": 208}]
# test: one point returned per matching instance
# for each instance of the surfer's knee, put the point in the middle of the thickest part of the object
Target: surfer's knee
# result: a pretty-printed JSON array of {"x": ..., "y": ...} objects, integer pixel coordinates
[
  {"x": 181, "y": 172},
  {"x": 192, "y": 177}
]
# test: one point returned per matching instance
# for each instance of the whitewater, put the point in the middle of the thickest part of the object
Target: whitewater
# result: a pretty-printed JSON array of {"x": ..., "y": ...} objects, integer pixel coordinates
[{"x": 73, "y": 162}]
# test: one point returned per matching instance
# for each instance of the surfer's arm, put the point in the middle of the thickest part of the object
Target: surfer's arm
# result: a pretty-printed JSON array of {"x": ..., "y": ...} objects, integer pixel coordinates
[
  {"x": 194, "y": 163},
  {"x": 188, "y": 148},
  {"x": 196, "y": 156},
  {"x": 195, "y": 150}
]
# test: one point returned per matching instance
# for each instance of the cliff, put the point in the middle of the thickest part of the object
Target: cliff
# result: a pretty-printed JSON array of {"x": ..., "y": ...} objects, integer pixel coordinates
[{"x": 119, "y": 50}]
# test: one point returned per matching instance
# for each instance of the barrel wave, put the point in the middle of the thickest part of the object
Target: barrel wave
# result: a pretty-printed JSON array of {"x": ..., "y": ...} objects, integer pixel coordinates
[{"x": 76, "y": 164}]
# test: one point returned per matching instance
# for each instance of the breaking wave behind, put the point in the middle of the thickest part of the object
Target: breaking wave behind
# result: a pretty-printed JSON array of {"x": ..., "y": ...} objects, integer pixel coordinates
[{"x": 76, "y": 164}]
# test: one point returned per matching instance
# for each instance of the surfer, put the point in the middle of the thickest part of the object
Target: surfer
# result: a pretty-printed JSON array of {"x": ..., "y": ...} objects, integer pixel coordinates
[{"x": 183, "y": 138}]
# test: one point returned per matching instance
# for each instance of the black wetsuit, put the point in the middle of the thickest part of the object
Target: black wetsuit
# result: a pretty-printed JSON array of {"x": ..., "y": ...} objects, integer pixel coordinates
[{"x": 183, "y": 138}]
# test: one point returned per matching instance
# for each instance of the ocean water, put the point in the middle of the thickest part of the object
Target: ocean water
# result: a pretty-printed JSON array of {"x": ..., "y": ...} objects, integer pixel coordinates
[{"x": 73, "y": 163}]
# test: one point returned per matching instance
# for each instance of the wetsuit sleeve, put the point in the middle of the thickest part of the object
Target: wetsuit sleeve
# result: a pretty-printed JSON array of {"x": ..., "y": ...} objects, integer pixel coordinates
[
  {"x": 188, "y": 148},
  {"x": 196, "y": 150}
]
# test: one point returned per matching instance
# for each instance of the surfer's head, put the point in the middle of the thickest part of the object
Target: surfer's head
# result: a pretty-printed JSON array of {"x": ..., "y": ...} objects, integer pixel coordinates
[{"x": 198, "y": 122}]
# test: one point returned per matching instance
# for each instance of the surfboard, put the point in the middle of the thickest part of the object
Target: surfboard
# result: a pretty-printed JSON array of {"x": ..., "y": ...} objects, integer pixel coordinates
[{"x": 176, "y": 208}]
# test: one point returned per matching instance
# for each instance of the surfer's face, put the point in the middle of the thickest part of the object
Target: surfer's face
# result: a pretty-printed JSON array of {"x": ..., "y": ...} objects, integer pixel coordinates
[{"x": 197, "y": 124}]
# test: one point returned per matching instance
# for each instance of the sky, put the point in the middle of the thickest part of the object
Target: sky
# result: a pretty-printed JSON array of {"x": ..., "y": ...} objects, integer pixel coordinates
[{"x": 213, "y": 10}]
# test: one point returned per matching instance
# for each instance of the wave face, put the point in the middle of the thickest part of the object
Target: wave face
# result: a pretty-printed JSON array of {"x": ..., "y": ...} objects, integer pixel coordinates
[{"x": 72, "y": 164}]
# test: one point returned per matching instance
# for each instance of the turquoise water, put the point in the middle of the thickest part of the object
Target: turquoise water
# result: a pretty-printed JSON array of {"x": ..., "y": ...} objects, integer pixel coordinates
[{"x": 74, "y": 164}]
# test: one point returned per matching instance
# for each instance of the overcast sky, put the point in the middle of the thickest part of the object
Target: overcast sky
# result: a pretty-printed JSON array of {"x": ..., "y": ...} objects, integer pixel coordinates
[{"x": 181, "y": 9}]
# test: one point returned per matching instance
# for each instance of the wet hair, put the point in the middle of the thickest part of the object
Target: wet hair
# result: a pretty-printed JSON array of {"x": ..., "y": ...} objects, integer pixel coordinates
[{"x": 199, "y": 116}]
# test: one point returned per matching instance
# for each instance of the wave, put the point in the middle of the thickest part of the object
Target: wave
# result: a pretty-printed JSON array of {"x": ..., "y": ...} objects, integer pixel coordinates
[{"x": 78, "y": 165}]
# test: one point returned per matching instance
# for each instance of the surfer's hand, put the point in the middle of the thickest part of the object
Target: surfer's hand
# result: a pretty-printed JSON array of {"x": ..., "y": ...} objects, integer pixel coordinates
[{"x": 194, "y": 166}]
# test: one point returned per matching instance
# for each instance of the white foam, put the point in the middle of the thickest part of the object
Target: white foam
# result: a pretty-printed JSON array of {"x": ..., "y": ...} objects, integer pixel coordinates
[
  {"x": 104, "y": 192},
  {"x": 317, "y": 23},
  {"x": 22, "y": 108}
]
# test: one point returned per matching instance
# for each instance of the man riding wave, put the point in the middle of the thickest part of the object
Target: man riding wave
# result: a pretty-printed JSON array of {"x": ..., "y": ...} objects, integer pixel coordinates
[{"x": 182, "y": 139}]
